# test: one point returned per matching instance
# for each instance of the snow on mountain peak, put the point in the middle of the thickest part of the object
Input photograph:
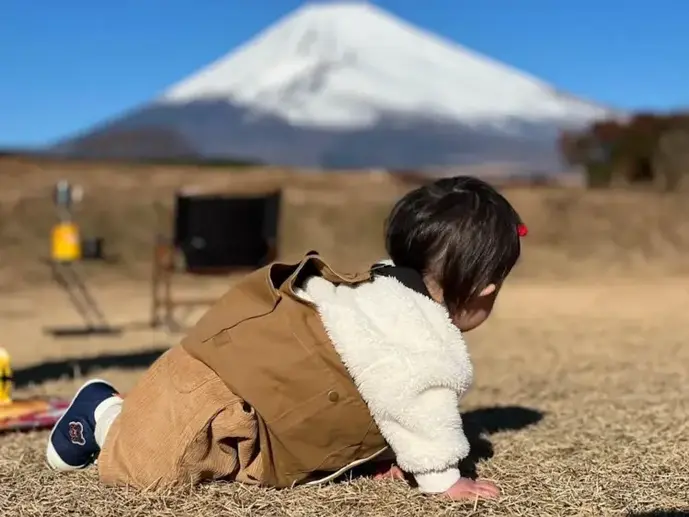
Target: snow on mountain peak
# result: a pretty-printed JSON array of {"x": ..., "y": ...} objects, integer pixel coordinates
[{"x": 345, "y": 65}]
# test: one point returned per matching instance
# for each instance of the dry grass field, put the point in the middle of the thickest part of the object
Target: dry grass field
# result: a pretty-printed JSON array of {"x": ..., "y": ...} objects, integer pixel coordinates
[{"x": 579, "y": 406}]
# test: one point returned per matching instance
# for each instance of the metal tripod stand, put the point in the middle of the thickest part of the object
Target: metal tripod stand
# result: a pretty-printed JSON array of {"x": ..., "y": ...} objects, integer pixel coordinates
[{"x": 65, "y": 272}]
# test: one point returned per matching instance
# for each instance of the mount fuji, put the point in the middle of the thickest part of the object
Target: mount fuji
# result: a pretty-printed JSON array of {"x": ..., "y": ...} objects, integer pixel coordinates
[{"x": 348, "y": 85}]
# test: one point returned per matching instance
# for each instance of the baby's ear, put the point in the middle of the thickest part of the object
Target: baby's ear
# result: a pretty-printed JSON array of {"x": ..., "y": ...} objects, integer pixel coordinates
[{"x": 487, "y": 291}]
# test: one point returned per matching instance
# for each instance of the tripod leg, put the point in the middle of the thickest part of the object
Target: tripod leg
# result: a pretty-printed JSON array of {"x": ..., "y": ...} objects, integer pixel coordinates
[
  {"x": 62, "y": 278},
  {"x": 90, "y": 302}
]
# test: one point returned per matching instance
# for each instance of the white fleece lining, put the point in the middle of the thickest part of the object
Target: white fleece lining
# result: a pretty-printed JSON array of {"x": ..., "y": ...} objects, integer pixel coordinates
[{"x": 411, "y": 366}]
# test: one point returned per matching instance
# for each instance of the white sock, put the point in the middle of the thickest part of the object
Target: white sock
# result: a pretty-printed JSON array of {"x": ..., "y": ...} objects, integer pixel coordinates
[{"x": 105, "y": 414}]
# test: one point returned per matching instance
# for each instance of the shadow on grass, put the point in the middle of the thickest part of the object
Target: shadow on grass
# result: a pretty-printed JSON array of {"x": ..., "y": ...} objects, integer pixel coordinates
[
  {"x": 661, "y": 513},
  {"x": 478, "y": 425},
  {"x": 481, "y": 423},
  {"x": 79, "y": 366}
]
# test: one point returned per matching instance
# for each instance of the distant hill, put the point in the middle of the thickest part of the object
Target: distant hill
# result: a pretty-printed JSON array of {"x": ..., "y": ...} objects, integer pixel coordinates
[{"x": 348, "y": 85}]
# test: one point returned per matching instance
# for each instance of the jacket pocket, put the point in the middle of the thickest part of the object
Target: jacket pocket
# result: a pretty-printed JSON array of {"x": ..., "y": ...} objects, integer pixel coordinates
[{"x": 324, "y": 433}]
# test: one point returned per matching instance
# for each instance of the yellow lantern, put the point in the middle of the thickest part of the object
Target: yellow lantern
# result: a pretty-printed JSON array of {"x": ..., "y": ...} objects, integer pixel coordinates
[{"x": 65, "y": 242}]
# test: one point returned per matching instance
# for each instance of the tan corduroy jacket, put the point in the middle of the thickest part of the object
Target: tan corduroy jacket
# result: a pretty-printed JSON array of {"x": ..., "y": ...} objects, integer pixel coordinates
[{"x": 267, "y": 396}]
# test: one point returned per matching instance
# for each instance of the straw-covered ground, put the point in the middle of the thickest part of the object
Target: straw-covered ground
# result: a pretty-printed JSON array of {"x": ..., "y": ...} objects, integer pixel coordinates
[{"x": 580, "y": 389}]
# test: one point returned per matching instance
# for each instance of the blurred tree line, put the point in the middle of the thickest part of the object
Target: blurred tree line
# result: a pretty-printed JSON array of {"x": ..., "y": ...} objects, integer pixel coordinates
[{"x": 646, "y": 148}]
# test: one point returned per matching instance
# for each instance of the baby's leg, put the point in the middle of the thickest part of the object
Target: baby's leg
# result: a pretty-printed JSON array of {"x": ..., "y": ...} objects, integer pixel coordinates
[
  {"x": 77, "y": 437},
  {"x": 179, "y": 425}
]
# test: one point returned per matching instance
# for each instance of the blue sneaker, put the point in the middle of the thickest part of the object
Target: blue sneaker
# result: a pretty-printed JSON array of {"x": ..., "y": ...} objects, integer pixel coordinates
[{"x": 72, "y": 444}]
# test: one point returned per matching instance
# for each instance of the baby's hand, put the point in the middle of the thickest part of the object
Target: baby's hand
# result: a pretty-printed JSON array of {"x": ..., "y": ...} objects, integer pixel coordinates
[
  {"x": 389, "y": 471},
  {"x": 466, "y": 488}
]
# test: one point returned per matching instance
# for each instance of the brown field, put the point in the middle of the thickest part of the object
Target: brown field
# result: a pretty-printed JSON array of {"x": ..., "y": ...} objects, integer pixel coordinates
[{"x": 579, "y": 405}]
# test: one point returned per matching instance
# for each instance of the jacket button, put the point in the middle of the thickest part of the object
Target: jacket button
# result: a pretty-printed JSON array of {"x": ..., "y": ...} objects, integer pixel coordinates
[{"x": 333, "y": 396}]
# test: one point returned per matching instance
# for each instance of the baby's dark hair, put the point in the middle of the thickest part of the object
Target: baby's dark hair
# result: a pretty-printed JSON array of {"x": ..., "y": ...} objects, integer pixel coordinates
[{"x": 458, "y": 231}]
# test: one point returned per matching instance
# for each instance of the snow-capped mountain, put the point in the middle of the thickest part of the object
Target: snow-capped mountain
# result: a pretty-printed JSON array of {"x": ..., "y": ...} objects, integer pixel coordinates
[{"x": 347, "y": 85}]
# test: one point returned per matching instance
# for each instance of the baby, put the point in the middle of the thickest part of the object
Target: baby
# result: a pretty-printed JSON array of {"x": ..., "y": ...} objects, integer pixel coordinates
[{"x": 300, "y": 373}]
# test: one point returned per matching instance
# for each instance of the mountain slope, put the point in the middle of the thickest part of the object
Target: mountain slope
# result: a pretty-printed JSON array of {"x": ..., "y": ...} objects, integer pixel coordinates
[{"x": 342, "y": 85}]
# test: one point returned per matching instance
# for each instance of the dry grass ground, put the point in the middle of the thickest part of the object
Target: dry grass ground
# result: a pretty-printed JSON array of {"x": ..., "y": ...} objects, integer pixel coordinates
[{"x": 579, "y": 407}]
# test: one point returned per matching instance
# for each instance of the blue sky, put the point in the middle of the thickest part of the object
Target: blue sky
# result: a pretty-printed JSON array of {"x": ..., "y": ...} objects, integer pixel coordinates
[{"x": 65, "y": 65}]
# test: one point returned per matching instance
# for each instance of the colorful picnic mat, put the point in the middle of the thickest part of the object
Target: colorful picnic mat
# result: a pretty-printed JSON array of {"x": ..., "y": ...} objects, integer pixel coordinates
[{"x": 34, "y": 413}]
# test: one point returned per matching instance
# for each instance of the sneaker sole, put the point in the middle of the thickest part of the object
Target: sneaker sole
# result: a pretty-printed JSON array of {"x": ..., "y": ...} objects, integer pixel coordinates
[{"x": 54, "y": 460}]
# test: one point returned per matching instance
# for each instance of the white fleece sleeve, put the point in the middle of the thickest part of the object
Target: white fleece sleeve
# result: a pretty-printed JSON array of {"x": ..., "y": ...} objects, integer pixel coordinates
[
  {"x": 411, "y": 367},
  {"x": 425, "y": 432}
]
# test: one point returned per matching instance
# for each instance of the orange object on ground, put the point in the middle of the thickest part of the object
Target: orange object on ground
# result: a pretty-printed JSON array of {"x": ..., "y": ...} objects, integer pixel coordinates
[{"x": 35, "y": 413}]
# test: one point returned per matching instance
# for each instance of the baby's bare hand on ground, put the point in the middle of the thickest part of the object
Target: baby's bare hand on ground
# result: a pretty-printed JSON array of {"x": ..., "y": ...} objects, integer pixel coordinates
[
  {"x": 471, "y": 489},
  {"x": 391, "y": 472}
]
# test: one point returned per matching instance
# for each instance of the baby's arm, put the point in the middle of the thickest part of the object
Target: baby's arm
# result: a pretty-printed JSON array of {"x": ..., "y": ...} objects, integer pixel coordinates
[
  {"x": 424, "y": 429},
  {"x": 446, "y": 481}
]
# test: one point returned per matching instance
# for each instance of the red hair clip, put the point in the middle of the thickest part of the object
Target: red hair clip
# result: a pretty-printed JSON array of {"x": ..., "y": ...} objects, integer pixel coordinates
[{"x": 522, "y": 230}]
